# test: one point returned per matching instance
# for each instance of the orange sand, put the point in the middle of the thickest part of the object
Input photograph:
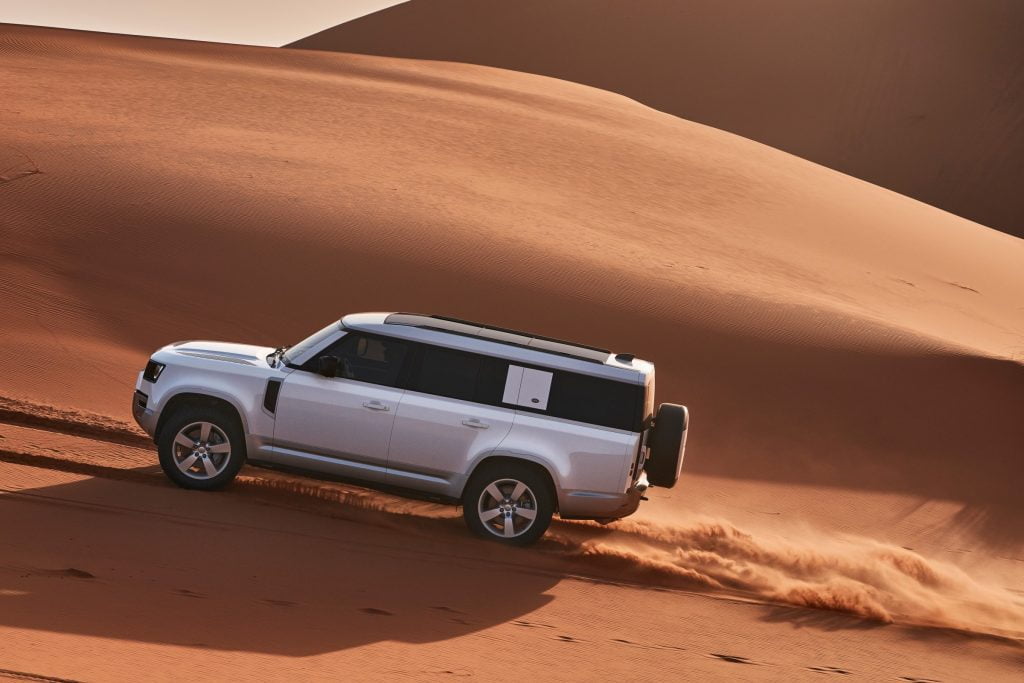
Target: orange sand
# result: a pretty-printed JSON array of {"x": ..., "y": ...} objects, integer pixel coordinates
[{"x": 852, "y": 359}]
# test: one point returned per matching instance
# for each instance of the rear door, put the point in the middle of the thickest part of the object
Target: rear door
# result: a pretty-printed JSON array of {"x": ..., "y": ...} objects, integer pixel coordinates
[{"x": 450, "y": 414}]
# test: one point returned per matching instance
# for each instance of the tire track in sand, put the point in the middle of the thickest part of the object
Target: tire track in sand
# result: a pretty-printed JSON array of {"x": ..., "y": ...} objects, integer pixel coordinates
[{"x": 857, "y": 576}]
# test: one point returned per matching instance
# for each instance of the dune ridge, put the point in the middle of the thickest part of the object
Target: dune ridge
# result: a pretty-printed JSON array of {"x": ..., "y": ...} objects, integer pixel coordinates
[{"x": 920, "y": 96}]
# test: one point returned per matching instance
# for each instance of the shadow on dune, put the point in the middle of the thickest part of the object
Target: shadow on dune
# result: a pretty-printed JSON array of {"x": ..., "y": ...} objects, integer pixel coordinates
[
  {"x": 676, "y": 56},
  {"x": 995, "y": 523},
  {"x": 251, "y": 569},
  {"x": 112, "y": 559}
]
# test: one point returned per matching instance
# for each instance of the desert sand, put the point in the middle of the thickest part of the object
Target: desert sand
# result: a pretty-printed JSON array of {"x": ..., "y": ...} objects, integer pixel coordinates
[
  {"x": 919, "y": 96},
  {"x": 852, "y": 358}
]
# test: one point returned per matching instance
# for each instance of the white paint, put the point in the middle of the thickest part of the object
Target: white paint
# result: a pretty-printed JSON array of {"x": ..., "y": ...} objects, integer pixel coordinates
[
  {"x": 534, "y": 390},
  {"x": 527, "y": 387},
  {"x": 512, "y": 382}
]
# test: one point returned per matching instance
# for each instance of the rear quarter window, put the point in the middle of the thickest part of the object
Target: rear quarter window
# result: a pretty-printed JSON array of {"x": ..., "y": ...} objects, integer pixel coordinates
[{"x": 596, "y": 401}]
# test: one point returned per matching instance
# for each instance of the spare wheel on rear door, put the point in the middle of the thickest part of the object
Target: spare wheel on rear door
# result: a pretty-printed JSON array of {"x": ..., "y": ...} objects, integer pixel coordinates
[{"x": 666, "y": 441}]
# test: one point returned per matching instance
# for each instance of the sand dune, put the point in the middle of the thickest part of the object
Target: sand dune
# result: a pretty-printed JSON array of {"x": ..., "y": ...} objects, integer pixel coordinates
[
  {"x": 852, "y": 357},
  {"x": 921, "y": 97},
  {"x": 824, "y": 330}
]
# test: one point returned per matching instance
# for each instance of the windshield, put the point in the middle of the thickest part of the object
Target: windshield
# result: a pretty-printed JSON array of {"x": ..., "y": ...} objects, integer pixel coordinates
[{"x": 310, "y": 342}]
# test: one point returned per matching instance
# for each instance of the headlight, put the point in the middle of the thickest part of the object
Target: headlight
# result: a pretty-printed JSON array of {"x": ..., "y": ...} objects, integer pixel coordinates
[{"x": 153, "y": 371}]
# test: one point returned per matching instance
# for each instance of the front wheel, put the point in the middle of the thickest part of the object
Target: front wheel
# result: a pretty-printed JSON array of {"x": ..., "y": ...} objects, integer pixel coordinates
[
  {"x": 508, "y": 503},
  {"x": 201, "y": 448}
]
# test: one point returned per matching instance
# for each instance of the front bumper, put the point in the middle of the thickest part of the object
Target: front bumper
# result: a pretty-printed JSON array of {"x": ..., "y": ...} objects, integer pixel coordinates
[{"x": 143, "y": 414}]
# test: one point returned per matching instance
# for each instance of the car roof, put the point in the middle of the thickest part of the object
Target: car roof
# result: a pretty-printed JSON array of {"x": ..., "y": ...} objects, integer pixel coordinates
[{"x": 492, "y": 340}]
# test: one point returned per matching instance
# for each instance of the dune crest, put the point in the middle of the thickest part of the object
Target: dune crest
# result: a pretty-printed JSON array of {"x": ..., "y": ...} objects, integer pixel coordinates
[{"x": 919, "y": 96}]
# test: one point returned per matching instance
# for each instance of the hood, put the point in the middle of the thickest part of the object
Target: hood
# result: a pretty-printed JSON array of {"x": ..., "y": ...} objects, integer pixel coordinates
[{"x": 246, "y": 354}]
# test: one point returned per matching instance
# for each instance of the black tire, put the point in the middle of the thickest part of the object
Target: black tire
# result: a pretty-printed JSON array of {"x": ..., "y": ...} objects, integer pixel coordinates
[
  {"x": 225, "y": 429},
  {"x": 666, "y": 441},
  {"x": 537, "y": 497}
]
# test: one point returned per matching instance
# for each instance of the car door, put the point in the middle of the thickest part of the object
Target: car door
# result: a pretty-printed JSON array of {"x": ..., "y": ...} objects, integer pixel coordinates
[
  {"x": 342, "y": 425},
  {"x": 451, "y": 413}
]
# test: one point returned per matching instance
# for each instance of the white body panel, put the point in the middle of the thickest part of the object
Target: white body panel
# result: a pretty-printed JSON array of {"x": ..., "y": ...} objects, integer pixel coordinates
[
  {"x": 335, "y": 418},
  {"x": 236, "y": 373},
  {"x": 590, "y": 465},
  {"x": 436, "y": 440},
  {"x": 534, "y": 388}
]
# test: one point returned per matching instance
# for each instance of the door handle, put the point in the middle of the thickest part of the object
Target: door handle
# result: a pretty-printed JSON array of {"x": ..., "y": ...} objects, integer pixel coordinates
[
  {"x": 375, "y": 405},
  {"x": 475, "y": 423}
]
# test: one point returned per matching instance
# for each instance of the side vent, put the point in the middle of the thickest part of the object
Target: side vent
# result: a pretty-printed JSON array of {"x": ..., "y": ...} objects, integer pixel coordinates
[{"x": 270, "y": 397}]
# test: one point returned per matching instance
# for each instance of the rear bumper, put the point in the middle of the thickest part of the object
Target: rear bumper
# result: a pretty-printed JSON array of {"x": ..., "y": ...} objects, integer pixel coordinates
[{"x": 594, "y": 505}]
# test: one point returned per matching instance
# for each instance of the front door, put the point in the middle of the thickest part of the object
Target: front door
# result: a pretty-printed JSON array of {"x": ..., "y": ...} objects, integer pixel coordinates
[{"x": 342, "y": 425}]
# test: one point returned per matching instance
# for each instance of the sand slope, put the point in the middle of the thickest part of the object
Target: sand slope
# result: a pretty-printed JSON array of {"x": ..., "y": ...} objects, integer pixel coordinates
[
  {"x": 238, "y": 593},
  {"x": 852, "y": 359},
  {"x": 922, "y": 97},
  {"x": 822, "y": 329},
  {"x": 109, "y": 570}
]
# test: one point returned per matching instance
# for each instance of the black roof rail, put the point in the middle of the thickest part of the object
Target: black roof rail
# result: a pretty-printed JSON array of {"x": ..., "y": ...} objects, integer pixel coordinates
[{"x": 502, "y": 335}]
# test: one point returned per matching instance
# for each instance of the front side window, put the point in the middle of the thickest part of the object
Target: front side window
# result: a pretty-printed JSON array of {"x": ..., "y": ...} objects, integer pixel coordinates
[
  {"x": 366, "y": 358},
  {"x": 311, "y": 342}
]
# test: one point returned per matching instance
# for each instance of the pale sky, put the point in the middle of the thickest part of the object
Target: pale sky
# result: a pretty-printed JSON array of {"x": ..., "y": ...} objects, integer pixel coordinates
[{"x": 250, "y": 22}]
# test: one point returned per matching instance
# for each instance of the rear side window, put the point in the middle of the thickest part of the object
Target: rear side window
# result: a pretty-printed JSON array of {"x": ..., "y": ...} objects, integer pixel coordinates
[
  {"x": 444, "y": 372},
  {"x": 596, "y": 401},
  {"x": 491, "y": 385},
  {"x": 460, "y": 375}
]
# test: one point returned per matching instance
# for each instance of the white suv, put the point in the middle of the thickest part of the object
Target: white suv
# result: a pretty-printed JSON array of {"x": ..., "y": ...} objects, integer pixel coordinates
[{"x": 513, "y": 426}]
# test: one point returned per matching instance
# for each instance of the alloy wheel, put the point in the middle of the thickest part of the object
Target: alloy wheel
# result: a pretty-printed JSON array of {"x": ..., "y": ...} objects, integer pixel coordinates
[
  {"x": 507, "y": 508},
  {"x": 201, "y": 450}
]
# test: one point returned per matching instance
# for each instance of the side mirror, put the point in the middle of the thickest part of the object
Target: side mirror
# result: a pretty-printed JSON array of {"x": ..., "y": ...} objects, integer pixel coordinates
[{"x": 327, "y": 366}]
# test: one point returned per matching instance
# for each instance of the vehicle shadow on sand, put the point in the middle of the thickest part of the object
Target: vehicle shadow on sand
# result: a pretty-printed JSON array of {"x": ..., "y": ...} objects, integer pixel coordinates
[{"x": 115, "y": 559}]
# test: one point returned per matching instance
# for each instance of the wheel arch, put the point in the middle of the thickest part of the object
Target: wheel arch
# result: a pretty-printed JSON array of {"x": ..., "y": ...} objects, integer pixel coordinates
[
  {"x": 519, "y": 459},
  {"x": 192, "y": 398}
]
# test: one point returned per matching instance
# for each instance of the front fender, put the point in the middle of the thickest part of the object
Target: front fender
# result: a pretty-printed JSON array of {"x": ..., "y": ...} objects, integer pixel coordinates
[{"x": 242, "y": 405}]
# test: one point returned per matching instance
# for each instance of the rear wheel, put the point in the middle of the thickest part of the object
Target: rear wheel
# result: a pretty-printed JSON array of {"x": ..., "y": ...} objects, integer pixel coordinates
[
  {"x": 201, "y": 447},
  {"x": 509, "y": 503}
]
